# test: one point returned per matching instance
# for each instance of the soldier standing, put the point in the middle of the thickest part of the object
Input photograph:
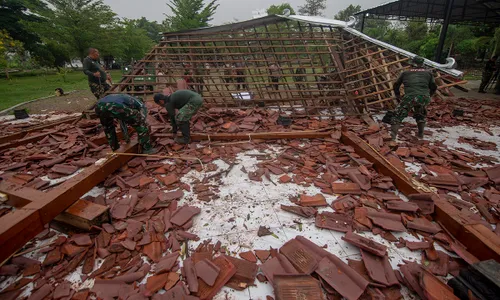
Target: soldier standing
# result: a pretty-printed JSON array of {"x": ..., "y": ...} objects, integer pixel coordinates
[
  {"x": 96, "y": 74},
  {"x": 419, "y": 86}
]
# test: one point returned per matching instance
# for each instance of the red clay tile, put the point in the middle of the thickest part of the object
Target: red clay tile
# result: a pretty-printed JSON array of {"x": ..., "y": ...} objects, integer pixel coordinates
[
  {"x": 277, "y": 265},
  {"x": 207, "y": 271},
  {"x": 155, "y": 283},
  {"x": 285, "y": 179},
  {"x": 41, "y": 293},
  {"x": 11, "y": 270},
  {"x": 438, "y": 267},
  {"x": 168, "y": 180},
  {"x": 424, "y": 201},
  {"x": 128, "y": 244},
  {"x": 120, "y": 211},
  {"x": 334, "y": 221},
  {"x": 153, "y": 251},
  {"x": 424, "y": 225},
  {"x": 403, "y": 152},
  {"x": 361, "y": 180},
  {"x": 53, "y": 257},
  {"x": 62, "y": 290},
  {"x": 81, "y": 239},
  {"x": 493, "y": 173},
  {"x": 434, "y": 288},
  {"x": 387, "y": 221},
  {"x": 31, "y": 270},
  {"x": 245, "y": 274},
  {"x": 191, "y": 277},
  {"x": 263, "y": 255},
  {"x": 303, "y": 260},
  {"x": 341, "y": 277},
  {"x": 227, "y": 271},
  {"x": 402, "y": 206},
  {"x": 64, "y": 169},
  {"x": 297, "y": 287},
  {"x": 71, "y": 250},
  {"x": 184, "y": 214},
  {"x": 172, "y": 279},
  {"x": 379, "y": 269},
  {"x": 317, "y": 200},
  {"x": 144, "y": 181},
  {"x": 249, "y": 256},
  {"x": 365, "y": 244},
  {"x": 346, "y": 188},
  {"x": 166, "y": 263},
  {"x": 411, "y": 272},
  {"x": 171, "y": 195},
  {"x": 108, "y": 289},
  {"x": 84, "y": 162},
  {"x": 417, "y": 245},
  {"x": 130, "y": 277}
]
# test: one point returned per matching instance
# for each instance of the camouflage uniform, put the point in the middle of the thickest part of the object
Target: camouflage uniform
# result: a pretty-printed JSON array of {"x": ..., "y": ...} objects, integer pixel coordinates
[
  {"x": 416, "y": 103},
  {"x": 99, "y": 89},
  {"x": 127, "y": 109}
]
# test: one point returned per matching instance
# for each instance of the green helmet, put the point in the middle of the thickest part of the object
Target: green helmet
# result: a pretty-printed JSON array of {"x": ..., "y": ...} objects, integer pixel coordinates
[{"x": 418, "y": 61}]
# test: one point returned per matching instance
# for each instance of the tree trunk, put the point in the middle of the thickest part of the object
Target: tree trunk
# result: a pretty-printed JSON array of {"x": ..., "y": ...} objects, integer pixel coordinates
[{"x": 7, "y": 73}]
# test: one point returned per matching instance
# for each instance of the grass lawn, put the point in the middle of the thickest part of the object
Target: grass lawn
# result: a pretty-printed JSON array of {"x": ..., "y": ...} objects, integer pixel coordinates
[{"x": 24, "y": 88}]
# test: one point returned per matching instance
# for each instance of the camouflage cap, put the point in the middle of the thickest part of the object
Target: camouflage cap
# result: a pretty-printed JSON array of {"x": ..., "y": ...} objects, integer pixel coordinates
[{"x": 418, "y": 60}]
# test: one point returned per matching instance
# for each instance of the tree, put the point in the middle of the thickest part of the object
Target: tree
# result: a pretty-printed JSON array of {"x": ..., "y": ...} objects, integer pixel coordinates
[
  {"x": 313, "y": 8},
  {"x": 190, "y": 14},
  {"x": 79, "y": 25},
  {"x": 152, "y": 28},
  {"x": 279, "y": 9},
  {"x": 344, "y": 14},
  {"x": 8, "y": 47},
  {"x": 134, "y": 42}
]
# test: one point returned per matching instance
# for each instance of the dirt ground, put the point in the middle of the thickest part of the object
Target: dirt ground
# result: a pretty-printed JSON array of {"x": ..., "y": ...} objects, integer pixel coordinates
[{"x": 74, "y": 102}]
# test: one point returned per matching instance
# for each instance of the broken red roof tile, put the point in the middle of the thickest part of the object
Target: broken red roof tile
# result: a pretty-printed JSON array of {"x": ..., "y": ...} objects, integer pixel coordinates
[
  {"x": 120, "y": 211},
  {"x": 277, "y": 265},
  {"x": 402, "y": 206},
  {"x": 361, "y": 216},
  {"x": 263, "y": 255},
  {"x": 365, "y": 244},
  {"x": 184, "y": 214},
  {"x": 153, "y": 251},
  {"x": 207, "y": 271},
  {"x": 85, "y": 162},
  {"x": 64, "y": 169},
  {"x": 303, "y": 260},
  {"x": 438, "y": 267},
  {"x": 62, "y": 290},
  {"x": 424, "y": 225},
  {"x": 379, "y": 269},
  {"x": 463, "y": 253},
  {"x": 41, "y": 293},
  {"x": 346, "y": 188},
  {"x": 71, "y": 250},
  {"x": 128, "y": 244},
  {"x": 403, "y": 152},
  {"x": 360, "y": 179},
  {"x": 417, "y": 245},
  {"x": 166, "y": 263},
  {"x": 172, "y": 279},
  {"x": 387, "y": 221},
  {"x": 305, "y": 212},
  {"x": 344, "y": 204},
  {"x": 411, "y": 272},
  {"x": 434, "y": 288},
  {"x": 9, "y": 270},
  {"x": 424, "y": 201},
  {"x": 316, "y": 200},
  {"x": 296, "y": 287},
  {"x": 249, "y": 256},
  {"x": 81, "y": 239},
  {"x": 31, "y": 270},
  {"x": 285, "y": 179},
  {"x": 227, "y": 270},
  {"x": 144, "y": 181},
  {"x": 171, "y": 195},
  {"x": 441, "y": 180},
  {"x": 341, "y": 277},
  {"x": 168, "y": 180},
  {"x": 108, "y": 289},
  {"x": 155, "y": 283},
  {"x": 334, "y": 221},
  {"x": 130, "y": 277},
  {"x": 53, "y": 257},
  {"x": 245, "y": 274},
  {"x": 191, "y": 277}
]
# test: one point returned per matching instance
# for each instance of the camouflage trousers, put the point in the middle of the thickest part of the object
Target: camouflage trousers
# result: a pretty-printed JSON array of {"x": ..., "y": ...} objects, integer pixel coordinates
[
  {"x": 417, "y": 104},
  {"x": 107, "y": 112},
  {"x": 99, "y": 89},
  {"x": 189, "y": 110}
]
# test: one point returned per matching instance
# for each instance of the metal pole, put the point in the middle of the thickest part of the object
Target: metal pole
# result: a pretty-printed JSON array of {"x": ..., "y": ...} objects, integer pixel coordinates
[{"x": 444, "y": 29}]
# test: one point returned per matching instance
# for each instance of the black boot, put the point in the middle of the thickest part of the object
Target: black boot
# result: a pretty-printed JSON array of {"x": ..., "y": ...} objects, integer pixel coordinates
[
  {"x": 186, "y": 134},
  {"x": 421, "y": 128}
]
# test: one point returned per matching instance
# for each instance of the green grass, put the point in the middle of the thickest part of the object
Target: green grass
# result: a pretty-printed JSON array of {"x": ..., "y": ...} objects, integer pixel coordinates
[{"x": 22, "y": 88}]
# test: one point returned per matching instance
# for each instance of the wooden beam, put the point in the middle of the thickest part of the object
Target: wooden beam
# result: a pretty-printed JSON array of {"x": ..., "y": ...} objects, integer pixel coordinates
[{"x": 479, "y": 240}]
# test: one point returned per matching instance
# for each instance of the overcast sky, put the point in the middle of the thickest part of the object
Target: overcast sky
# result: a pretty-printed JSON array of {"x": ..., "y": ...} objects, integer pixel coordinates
[{"x": 227, "y": 11}]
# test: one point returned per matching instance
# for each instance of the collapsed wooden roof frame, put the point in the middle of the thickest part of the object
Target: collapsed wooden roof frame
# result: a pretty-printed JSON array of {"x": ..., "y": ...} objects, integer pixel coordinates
[{"x": 347, "y": 72}]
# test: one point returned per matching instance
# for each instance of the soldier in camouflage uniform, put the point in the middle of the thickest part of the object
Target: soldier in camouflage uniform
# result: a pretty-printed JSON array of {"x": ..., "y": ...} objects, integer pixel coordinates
[
  {"x": 129, "y": 110},
  {"x": 419, "y": 86},
  {"x": 188, "y": 103},
  {"x": 96, "y": 75}
]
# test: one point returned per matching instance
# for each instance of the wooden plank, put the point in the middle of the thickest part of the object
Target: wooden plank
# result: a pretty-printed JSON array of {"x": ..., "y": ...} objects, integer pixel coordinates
[{"x": 479, "y": 240}]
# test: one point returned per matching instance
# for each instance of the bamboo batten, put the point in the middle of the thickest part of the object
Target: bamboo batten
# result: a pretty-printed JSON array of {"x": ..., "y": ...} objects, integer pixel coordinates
[{"x": 285, "y": 65}]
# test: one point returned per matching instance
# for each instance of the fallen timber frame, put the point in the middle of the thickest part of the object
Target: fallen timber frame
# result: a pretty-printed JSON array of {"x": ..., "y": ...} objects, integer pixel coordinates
[
  {"x": 38, "y": 208},
  {"x": 479, "y": 240}
]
